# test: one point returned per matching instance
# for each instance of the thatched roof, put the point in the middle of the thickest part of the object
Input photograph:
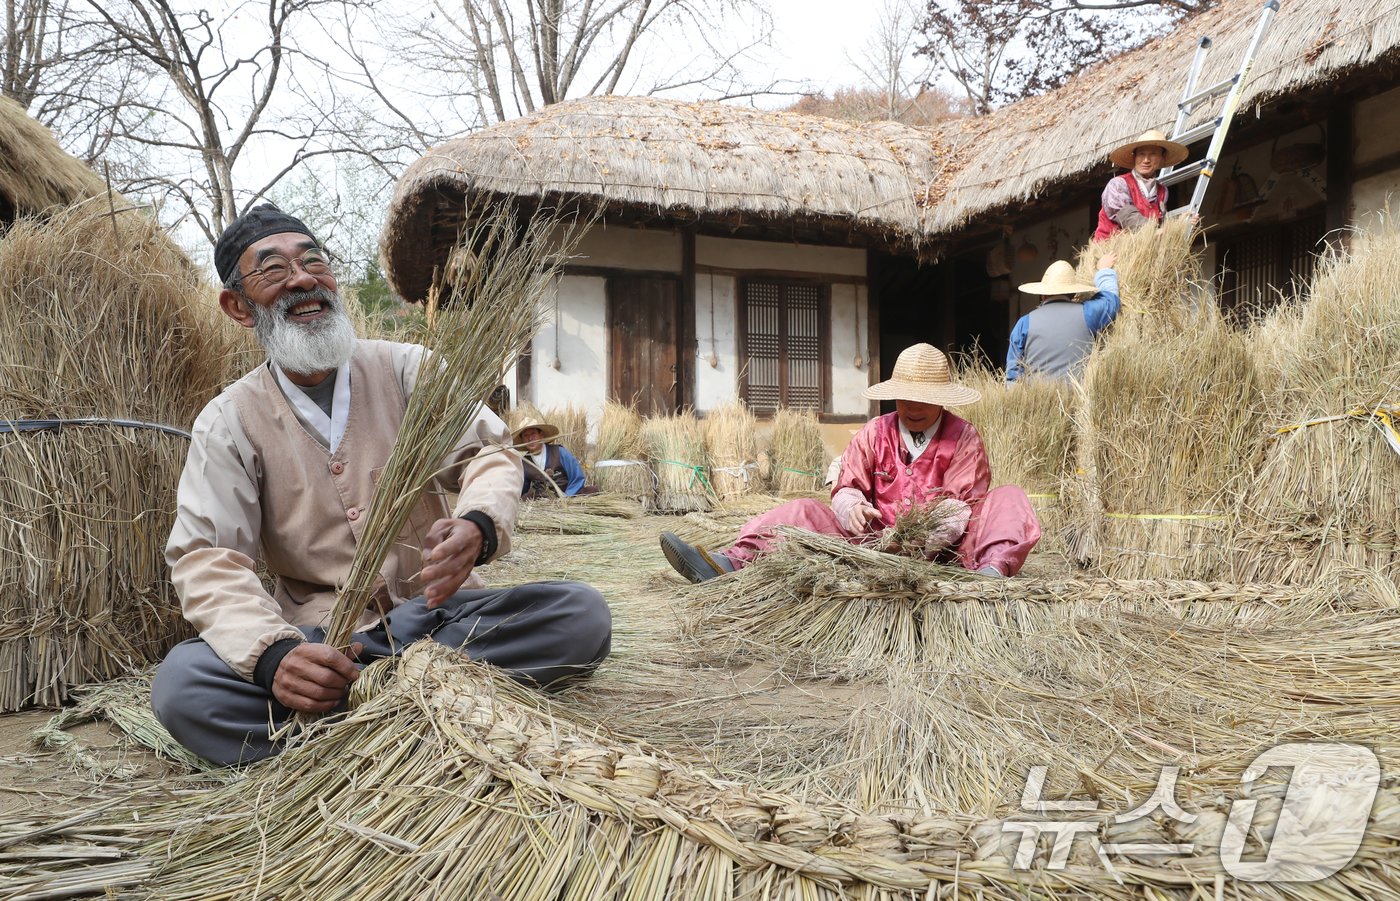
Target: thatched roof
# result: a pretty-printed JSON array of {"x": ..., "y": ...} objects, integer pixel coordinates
[
  {"x": 666, "y": 159},
  {"x": 707, "y": 162},
  {"x": 1016, "y": 153},
  {"x": 35, "y": 173}
]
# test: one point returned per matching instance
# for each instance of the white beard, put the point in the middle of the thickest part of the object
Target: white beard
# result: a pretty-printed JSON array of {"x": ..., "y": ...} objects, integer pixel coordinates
[{"x": 314, "y": 347}]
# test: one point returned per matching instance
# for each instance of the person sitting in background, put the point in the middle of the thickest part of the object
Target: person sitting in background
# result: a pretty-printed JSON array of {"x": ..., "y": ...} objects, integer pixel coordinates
[
  {"x": 1055, "y": 338},
  {"x": 1134, "y": 198},
  {"x": 920, "y": 454},
  {"x": 551, "y": 470}
]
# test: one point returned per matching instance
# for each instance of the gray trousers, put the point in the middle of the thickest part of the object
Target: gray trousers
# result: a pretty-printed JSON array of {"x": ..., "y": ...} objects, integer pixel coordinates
[{"x": 538, "y": 633}]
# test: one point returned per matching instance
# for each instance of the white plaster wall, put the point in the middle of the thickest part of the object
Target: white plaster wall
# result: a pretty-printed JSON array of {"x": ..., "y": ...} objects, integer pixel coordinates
[
  {"x": 717, "y": 341},
  {"x": 734, "y": 253},
  {"x": 1377, "y": 128},
  {"x": 850, "y": 349},
  {"x": 629, "y": 248},
  {"x": 575, "y": 336},
  {"x": 1374, "y": 195}
]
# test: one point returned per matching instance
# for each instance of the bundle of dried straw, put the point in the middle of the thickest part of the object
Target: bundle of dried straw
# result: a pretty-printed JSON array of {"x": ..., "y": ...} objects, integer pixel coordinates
[
  {"x": 572, "y": 422},
  {"x": 619, "y": 466},
  {"x": 1328, "y": 490},
  {"x": 675, "y": 445},
  {"x": 475, "y": 332},
  {"x": 797, "y": 454},
  {"x": 102, "y": 318},
  {"x": 731, "y": 438},
  {"x": 1167, "y": 425}
]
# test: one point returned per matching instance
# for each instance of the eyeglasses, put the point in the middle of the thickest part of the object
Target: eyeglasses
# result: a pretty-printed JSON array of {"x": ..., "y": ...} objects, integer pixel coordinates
[{"x": 275, "y": 270}]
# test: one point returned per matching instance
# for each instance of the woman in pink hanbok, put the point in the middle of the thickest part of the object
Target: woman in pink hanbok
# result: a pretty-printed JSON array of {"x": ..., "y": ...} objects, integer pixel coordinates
[{"x": 919, "y": 454}]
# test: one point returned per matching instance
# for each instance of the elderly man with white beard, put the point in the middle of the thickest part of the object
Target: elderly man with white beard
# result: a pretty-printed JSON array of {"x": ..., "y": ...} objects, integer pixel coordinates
[{"x": 281, "y": 472}]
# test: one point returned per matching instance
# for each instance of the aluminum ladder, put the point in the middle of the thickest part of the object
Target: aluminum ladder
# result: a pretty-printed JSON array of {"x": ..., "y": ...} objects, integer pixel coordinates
[{"x": 1215, "y": 128}]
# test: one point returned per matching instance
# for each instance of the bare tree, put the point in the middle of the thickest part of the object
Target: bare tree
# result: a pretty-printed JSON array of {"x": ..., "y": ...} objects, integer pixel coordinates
[
  {"x": 888, "y": 65},
  {"x": 512, "y": 57},
  {"x": 998, "y": 51},
  {"x": 216, "y": 80}
]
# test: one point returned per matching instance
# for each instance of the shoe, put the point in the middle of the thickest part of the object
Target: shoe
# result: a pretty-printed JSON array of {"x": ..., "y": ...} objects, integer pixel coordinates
[
  {"x": 695, "y": 563},
  {"x": 990, "y": 570}
]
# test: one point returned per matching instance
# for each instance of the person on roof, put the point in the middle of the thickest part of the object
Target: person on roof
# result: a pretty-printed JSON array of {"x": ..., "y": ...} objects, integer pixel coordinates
[{"x": 1134, "y": 198}]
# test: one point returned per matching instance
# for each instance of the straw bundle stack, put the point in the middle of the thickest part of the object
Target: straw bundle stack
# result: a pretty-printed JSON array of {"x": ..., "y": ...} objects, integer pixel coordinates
[
  {"x": 1328, "y": 490},
  {"x": 619, "y": 467},
  {"x": 675, "y": 446},
  {"x": 797, "y": 454},
  {"x": 1159, "y": 277},
  {"x": 1166, "y": 426},
  {"x": 1027, "y": 430},
  {"x": 572, "y": 422},
  {"x": 101, "y": 317},
  {"x": 731, "y": 438}
]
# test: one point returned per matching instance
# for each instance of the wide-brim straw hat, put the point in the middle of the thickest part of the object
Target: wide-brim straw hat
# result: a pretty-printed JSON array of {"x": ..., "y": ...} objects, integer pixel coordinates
[
  {"x": 922, "y": 374},
  {"x": 1059, "y": 278},
  {"x": 1122, "y": 157},
  {"x": 549, "y": 431}
]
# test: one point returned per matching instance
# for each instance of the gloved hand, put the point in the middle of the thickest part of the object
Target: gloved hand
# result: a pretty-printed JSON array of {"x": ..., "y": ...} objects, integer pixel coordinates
[
  {"x": 955, "y": 515},
  {"x": 853, "y": 511}
]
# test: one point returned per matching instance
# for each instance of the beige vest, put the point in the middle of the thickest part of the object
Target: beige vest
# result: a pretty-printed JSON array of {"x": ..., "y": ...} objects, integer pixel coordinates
[{"x": 314, "y": 502}]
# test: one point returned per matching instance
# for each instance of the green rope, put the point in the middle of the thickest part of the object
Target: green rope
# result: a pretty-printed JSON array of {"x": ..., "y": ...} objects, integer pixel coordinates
[
  {"x": 801, "y": 472},
  {"x": 696, "y": 473}
]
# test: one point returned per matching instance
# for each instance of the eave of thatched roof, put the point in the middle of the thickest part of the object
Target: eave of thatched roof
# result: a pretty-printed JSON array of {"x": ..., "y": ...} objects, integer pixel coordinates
[
  {"x": 35, "y": 172},
  {"x": 1017, "y": 153},
  {"x": 692, "y": 162}
]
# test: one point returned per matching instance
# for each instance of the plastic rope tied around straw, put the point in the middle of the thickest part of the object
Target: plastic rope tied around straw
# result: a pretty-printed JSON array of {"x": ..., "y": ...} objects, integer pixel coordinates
[
  {"x": 1382, "y": 416},
  {"x": 8, "y": 426}
]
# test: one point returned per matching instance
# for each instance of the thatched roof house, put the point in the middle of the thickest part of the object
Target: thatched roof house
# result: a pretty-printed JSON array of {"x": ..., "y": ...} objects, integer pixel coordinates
[
  {"x": 1027, "y": 150},
  {"x": 35, "y": 172},
  {"x": 648, "y": 160}
]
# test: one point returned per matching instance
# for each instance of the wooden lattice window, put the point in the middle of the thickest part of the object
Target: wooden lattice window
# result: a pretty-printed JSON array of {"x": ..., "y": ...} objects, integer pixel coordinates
[
  {"x": 785, "y": 344},
  {"x": 1259, "y": 267}
]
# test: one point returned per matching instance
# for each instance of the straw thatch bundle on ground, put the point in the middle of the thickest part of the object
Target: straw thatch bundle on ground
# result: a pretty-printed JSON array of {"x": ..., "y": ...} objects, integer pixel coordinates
[
  {"x": 580, "y": 515},
  {"x": 619, "y": 465},
  {"x": 572, "y": 422},
  {"x": 1329, "y": 488},
  {"x": 797, "y": 454},
  {"x": 675, "y": 446},
  {"x": 1167, "y": 426},
  {"x": 731, "y": 438},
  {"x": 1027, "y": 430},
  {"x": 101, "y": 317}
]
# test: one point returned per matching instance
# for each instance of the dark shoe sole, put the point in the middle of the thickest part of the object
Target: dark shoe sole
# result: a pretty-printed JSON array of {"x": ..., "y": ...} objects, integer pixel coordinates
[{"x": 676, "y": 555}]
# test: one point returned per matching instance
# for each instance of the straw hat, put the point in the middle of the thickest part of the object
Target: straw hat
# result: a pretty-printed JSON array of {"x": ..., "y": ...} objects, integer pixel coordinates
[
  {"x": 921, "y": 375},
  {"x": 534, "y": 422},
  {"x": 1122, "y": 157},
  {"x": 1059, "y": 278}
]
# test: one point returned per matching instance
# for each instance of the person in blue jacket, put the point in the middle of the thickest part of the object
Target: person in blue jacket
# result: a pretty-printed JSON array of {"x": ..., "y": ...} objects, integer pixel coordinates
[
  {"x": 550, "y": 469},
  {"x": 1055, "y": 338}
]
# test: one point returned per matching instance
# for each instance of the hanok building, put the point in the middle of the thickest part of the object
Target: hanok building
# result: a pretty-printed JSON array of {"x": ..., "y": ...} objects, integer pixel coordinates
[{"x": 785, "y": 260}]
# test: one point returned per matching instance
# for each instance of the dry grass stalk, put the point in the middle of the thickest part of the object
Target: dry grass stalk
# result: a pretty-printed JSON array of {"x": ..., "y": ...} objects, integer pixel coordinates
[
  {"x": 572, "y": 422},
  {"x": 675, "y": 446},
  {"x": 1166, "y": 425},
  {"x": 619, "y": 458},
  {"x": 731, "y": 437},
  {"x": 911, "y": 529},
  {"x": 102, "y": 317},
  {"x": 474, "y": 334},
  {"x": 1330, "y": 492},
  {"x": 581, "y": 515},
  {"x": 797, "y": 453},
  {"x": 1159, "y": 277}
]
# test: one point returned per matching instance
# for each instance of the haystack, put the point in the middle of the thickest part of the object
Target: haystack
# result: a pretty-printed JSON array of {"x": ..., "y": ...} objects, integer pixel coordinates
[
  {"x": 1167, "y": 427},
  {"x": 102, "y": 318},
  {"x": 675, "y": 447},
  {"x": 1027, "y": 430},
  {"x": 1328, "y": 490},
  {"x": 619, "y": 466},
  {"x": 731, "y": 438},
  {"x": 797, "y": 454}
]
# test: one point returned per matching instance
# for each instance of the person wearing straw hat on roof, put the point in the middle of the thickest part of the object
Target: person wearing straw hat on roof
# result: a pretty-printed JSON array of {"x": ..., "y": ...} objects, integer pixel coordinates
[
  {"x": 281, "y": 471},
  {"x": 1134, "y": 198},
  {"x": 1055, "y": 338},
  {"x": 918, "y": 455},
  {"x": 551, "y": 470}
]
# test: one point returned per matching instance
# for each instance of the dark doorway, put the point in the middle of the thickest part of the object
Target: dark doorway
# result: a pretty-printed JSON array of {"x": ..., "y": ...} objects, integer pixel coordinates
[{"x": 643, "y": 338}]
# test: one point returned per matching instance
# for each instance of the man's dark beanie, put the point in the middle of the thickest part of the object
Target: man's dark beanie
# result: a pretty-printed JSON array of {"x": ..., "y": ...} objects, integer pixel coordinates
[{"x": 254, "y": 225}]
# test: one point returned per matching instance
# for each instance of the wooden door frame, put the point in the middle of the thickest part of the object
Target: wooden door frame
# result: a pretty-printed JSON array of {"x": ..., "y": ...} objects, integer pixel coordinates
[{"x": 610, "y": 277}]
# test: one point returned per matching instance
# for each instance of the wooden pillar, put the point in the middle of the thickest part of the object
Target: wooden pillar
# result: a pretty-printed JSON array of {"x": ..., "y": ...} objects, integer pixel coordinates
[
  {"x": 685, "y": 328},
  {"x": 1339, "y": 168},
  {"x": 872, "y": 325}
]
